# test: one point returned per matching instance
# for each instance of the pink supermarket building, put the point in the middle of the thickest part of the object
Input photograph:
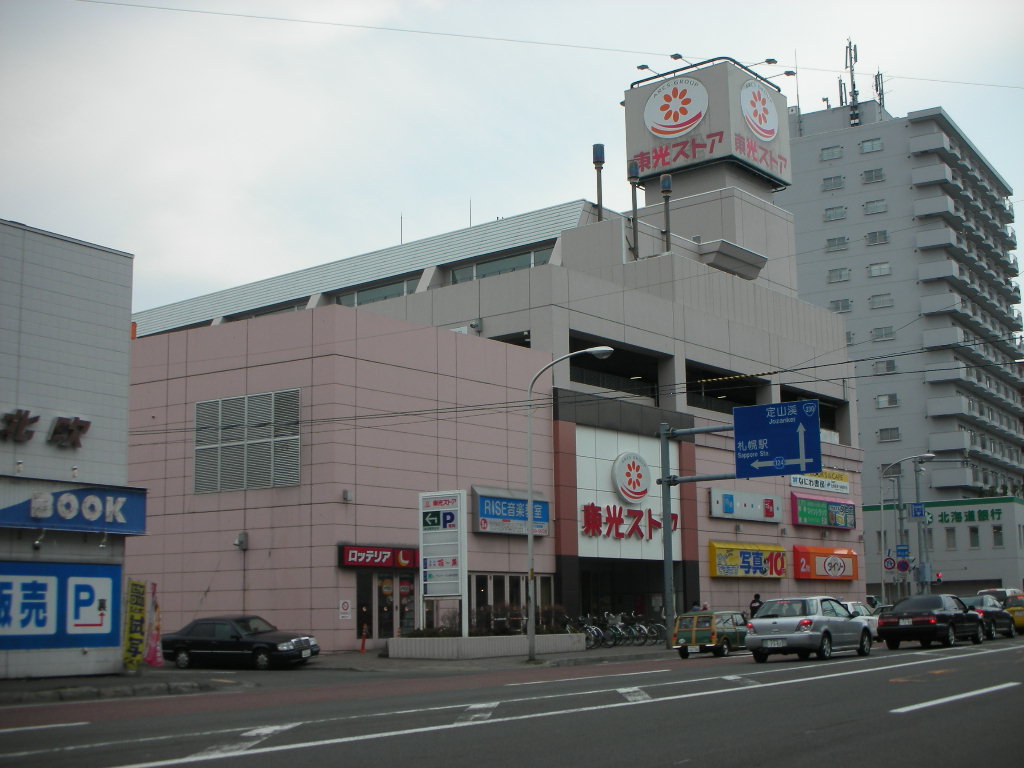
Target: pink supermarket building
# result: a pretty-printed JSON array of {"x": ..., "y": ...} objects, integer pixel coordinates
[{"x": 288, "y": 431}]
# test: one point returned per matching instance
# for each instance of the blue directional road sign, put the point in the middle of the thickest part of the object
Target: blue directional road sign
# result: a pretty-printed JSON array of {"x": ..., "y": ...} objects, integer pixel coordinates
[
  {"x": 777, "y": 439},
  {"x": 917, "y": 510}
]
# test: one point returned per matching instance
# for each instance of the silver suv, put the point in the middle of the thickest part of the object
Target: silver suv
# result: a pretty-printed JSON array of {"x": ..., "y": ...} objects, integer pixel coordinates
[{"x": 805, "y": 625}]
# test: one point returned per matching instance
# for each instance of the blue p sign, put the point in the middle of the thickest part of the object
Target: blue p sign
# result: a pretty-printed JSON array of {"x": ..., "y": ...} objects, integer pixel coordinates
[
  {"x": 448, "y": 519},
  {"x": 84, "y": 596}
]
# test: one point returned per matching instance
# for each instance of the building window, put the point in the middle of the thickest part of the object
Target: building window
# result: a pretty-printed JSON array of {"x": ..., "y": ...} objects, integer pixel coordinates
[
  {"x": 875, "y": 206},
  {"x": 997, "y": 535},
  {"x": 870, "y": 145},
  {"x": 835, "y": 213},
  {"x": 888, "y": 434},
  {"x": 840, "y": 305},
  {"x": 973, "y": 537},
  {"x": 879, "y": 269},
  {"x": 247, "y": 442},
  {"x": 839, "y": 275},
  {"x": 837, "y": 244},
  {"x": 951, "y": 538},
  {"x": 890, "y": 400},
  {"x": 884, "y": 366},
  {"x": 873, "y": 175},
  {"x": 831, "y": 153},
  {"x": 877, "y": 238},
  {"x": 501, "y": 265},
  {"x": 833, "y": 182},
  {"x": 390, "y": 290},
  {"x": 849, "y": 338},
  {"x": 884, "y": 333},
  {"x": 880, "y": 300}
]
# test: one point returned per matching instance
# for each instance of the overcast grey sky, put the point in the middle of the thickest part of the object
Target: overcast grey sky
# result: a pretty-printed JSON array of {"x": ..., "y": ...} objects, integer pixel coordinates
[{"x": 221, "y": 149}]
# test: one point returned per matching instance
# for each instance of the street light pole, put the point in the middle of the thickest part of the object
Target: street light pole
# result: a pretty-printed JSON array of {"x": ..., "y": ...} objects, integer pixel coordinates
[
  {"x": 920, "y": 458},
  {"x": 531, "y": 589}
]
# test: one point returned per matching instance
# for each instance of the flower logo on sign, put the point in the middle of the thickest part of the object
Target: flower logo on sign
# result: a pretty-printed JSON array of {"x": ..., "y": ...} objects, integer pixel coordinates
[
  {"x": 676, "y": 107},
  {"x": 631, "y": 476},
  {"x": 759, "y": 110}
]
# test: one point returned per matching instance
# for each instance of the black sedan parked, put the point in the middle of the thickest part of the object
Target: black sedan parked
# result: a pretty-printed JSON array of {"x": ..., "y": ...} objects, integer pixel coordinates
[
  {"x": 994, "y": 617},
  {"x": 234, "y": 639},
  {"x": 928, "y": 619}
]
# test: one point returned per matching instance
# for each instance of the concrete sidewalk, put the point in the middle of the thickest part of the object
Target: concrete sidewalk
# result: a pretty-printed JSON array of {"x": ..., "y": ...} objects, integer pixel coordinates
[{"x": 168, "y": 680}]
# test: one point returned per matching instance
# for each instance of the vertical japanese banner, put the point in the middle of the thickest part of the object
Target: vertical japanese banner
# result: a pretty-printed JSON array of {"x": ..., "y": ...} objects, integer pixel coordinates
[
  {"x": 153, "y": 657},
  {"x": 134, "y": 624}
]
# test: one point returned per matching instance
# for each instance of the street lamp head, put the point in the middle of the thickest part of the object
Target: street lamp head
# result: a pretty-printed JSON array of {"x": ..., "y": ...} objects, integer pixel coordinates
[
  {"x": 601, "y": 353},
  {"x": 925, "y": 457}
]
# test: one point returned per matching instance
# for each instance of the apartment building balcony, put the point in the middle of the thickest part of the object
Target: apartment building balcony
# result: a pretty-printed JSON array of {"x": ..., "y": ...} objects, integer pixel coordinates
[
  {"x": 957, "y": 440},
  {"x": 941, "y": 237},
  {"x": 938, "y": 143},
  {"x": 953, "y": 477},
  {"x": 942, "y": 338},
  {"x": 950, "y": 405},
  {"x": 943, "y": 207},
  {"x": 938, "y": 173},
  {"x": 951, "y": 304}
]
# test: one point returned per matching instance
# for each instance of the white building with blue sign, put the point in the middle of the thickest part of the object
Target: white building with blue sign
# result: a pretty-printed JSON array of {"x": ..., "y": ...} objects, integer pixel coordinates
[{"x": 65, "y": 508}]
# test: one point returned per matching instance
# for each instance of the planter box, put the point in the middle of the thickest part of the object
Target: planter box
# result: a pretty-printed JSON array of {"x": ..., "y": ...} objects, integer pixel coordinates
[{"x": 481, "y": 647}]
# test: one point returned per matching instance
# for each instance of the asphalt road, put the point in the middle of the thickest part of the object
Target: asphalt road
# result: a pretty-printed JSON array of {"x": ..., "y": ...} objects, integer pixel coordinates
[{"x": 911, "y": 707}]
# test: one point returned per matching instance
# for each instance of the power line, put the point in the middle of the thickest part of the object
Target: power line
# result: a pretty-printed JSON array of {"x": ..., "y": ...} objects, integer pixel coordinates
[{"x": 496, "y": 39}]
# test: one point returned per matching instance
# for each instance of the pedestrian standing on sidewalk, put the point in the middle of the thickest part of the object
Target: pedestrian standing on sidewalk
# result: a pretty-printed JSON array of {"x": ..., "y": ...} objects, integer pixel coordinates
[{"x": 755, "y": 604}]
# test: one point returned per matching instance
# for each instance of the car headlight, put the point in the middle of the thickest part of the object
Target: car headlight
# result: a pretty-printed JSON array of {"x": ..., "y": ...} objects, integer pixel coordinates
[{"x": 287, "y": 645}]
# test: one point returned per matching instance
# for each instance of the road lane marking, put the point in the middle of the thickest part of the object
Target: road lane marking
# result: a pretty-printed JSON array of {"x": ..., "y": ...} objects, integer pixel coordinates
[
  {"x": 947, "y": 699},
  {"x": 587, "y": 677},
  {"x": 478, "y": 712},
  {"x": 41, "y": 727},
  {"x": 245, "y": 740},
  {"x": 634, "y": 694},
  {"x": 512, "y": 719}
]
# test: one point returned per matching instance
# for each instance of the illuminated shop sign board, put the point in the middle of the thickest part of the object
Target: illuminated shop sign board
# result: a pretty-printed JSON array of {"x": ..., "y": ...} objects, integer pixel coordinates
[
  {"x": 822, "y": 512},
  {"x": 443, "y": 543},
  {"x": 498, "y": 512},
  {"x": 355, "y": 556},
  {"x": 95, "y": 509},
  {"x": 59, "y": 605},
  {"x": 733, "y": 560},
  {"x": 740, "y": 505},
  {"x": 824, "y": 563},
  {"x": 828, "y": 480}
]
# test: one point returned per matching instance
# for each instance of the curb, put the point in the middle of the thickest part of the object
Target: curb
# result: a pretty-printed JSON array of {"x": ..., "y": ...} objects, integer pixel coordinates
[{"x": 89, "y": 692}]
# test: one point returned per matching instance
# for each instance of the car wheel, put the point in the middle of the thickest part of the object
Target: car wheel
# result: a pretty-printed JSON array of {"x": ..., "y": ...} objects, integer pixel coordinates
[
  {"x": 759, "y": 656},
  {"x": 950, "y": 638},
  {"x": 261, "y": 658},
  {"x": 683, "y": 652},
  {"x": 825, "y": 649},
  {"x": 892, "y": 643},
  {"x": 990, "y": 630},
  {"x": 1011, "y": 631},
  {"x": 978, "y": 635},
  {"x": 865, "y": 644},
  {"x": 803, "y": 655},
  {"x": 181, "y": 659},
  {"x": 722, "y": 649}
]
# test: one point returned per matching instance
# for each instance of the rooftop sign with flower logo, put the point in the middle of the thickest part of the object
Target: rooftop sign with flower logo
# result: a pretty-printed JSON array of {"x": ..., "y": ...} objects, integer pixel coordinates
[
  {"x": 759, "y": 111},
  {"x": 676, "y": 107}
]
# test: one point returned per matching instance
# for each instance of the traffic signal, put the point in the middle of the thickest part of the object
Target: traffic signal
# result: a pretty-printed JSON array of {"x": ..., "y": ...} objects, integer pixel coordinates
[{"x": 938, "y": 577}]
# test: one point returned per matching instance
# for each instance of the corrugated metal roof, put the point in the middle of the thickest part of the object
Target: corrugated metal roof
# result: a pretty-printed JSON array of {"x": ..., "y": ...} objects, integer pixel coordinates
[{"x": 493, "y": 236}]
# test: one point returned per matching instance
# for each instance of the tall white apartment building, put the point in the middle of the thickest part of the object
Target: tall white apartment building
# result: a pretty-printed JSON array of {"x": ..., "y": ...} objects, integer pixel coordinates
[{"x": 903, "y": 229}]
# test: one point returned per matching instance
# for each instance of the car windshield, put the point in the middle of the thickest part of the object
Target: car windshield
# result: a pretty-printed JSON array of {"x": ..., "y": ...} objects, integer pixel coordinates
[
  {"x": 253, "y": 625},
  {"x": 920, "y": 603},
  {"x": 1015, "y": 601},
  {"x": 773, "y": 609}
]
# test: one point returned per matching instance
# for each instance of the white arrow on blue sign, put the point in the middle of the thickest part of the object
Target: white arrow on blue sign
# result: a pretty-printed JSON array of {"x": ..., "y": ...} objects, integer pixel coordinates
[{"x": 777, "y": 439}]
